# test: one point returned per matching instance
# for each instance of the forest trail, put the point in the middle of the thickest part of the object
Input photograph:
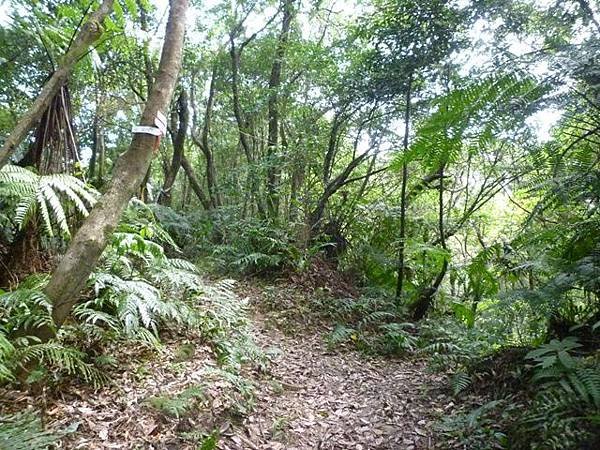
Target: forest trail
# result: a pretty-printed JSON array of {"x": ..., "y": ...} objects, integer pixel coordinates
[
  {"x": 307, "y": 396},
  {"x": 322, "y": 399}
]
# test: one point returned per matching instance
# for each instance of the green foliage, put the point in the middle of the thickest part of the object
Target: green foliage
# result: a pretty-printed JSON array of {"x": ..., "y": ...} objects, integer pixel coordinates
[
  {"x": 51, "y": 197},
  {"x": 6, "y": 352},
  {"x": 559, "y": 410},
  {"x": 469, "y": 118},
  {"x": 179, "y": 405},
  {"x": 555, "y": 354},
  {"x": 459, "y": 382},
  {"x": 226, "y": 324},
  {"x": 240, "y": 392},
  {"x": 479, "y": 428},
  {"x": 523, "y": 245},
  {"x": 23, "y": 311},
  {"x": 254, "y": 247},
  {"x": 452, "y": 347},
  {"x": 211, "y": 442},
  {"x": 136, "y": 291},
  {"x": 56, "y": 358},
  {"x": 555, "y": 365},
  {"x": 565, "y": 411},
  {"x": 371, "y": 330},
  {"x": 27, "y": 307},
  {"x": 137, "y": 288},
  {"x": 24, "y": 431}
]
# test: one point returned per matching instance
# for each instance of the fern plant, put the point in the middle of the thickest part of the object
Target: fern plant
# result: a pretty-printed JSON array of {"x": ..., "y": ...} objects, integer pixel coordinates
[
  {"x": 56, "y": 358},
  {"x": 555, "y": 354},
  {"x": 557, "y": 366},
  {"x": 6, "y": 351},
  {"x": 27, "y": 307},
  {"x": 370, "y": 325},
  {"x": 24, "y": 431},
  {"x": 48, "y": 196},
  {"x": 469, "y": 118},
  {"x": 178, "y": 405}
]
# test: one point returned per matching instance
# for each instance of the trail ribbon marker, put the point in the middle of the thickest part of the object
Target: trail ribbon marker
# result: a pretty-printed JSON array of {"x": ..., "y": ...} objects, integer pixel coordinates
[
  {"x": 159, "y": 130},
  {"x": 147, "y": 130},
  {"x": 161, "y": 122}
]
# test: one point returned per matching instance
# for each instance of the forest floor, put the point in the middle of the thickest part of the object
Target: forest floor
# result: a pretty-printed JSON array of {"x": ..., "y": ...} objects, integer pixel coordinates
[
  {"x": 323, "y": 399},
  {"x": 308, "y": 397}
]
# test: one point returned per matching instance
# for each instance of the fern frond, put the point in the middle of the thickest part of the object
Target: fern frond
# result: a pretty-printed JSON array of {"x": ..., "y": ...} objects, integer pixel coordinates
[
  {"x": 459, "y": 382},
  {"x": 66, "y": 359},
  {"x": 340, "y": 334},
  {"x": 6, "y": 351},
  {"x": 24, "y": 431},
  {"x": 40, "y": 193},
  {"x": 26, "y": 209}
]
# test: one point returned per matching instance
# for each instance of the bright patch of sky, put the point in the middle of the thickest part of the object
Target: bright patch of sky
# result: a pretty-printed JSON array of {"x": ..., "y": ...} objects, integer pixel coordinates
[
  {"x": 340, "y": 11},
  {"x": 4, "y": 13}
]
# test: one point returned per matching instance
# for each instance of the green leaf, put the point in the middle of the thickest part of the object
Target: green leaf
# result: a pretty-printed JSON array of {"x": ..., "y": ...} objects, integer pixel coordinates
[{"x": 210, "y": 443}]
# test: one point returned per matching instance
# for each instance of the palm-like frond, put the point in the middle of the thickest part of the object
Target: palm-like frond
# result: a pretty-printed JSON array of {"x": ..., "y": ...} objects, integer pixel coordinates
[
  {"x": 469, "y": 118},
  {"x": 51, "y": 196}
]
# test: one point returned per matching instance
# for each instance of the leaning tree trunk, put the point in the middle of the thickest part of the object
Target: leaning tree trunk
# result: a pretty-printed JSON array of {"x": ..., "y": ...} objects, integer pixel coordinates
[
  {"x": 89, "y": 33},
  {"x": 195, "y": 184},
  {"x": 85, "y": 249}
]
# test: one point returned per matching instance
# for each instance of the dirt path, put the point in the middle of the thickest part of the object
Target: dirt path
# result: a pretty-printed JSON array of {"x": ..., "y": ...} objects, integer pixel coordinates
[
  {"x": 319, "y": 399},
  {"x": 309, "y": 398}
]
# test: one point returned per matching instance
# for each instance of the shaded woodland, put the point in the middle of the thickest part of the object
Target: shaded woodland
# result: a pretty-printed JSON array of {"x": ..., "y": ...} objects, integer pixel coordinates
[{"x": 385, "y": 213}]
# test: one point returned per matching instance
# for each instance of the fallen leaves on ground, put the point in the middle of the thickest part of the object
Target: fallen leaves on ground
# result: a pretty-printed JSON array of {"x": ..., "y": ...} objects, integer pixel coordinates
[
  {"x": 309, "y": 398},
  {"x": 319, "y": 399}
]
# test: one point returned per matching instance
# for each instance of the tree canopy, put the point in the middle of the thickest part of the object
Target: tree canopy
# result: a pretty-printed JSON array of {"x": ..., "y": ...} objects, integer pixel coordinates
[{"x": 423, "y": 175}]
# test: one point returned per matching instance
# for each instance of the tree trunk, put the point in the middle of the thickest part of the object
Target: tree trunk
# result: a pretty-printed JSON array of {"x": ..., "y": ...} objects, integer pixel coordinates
[
  {"x": 273, "y": 171},
  {"x": 316, "y": 215},
  {"x": 24, "y": 256},
  {"x": 243, "y": 126},
  {"x": 194, "y": 183},
  {"x": 183, "y": 114},
  {"x": 97, "y": 158},
  {"x": 203, "y": 142},
  {"x": 425, "y": 300},
  {"x": 402, "y": 237},
  {"x": 148, "y": 65},
  {"x": 89, "y": 33},
  {"x": 211, "y": 171},
  {"x": 87, "y": 246}
]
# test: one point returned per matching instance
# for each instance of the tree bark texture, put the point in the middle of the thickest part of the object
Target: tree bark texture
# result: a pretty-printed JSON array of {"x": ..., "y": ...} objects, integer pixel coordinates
[
  {"x": 203, "y": 142},
  {"x": 179, "y": 135},
  {"x": 194, "y": 183},
  {"x": 273, "y": 171},
  {"x": 85, "y": 249},
  {"x": 402, "y": 237}
]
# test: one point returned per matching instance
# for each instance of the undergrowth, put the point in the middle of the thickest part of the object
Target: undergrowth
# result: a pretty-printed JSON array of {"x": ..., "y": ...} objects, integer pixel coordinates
[
  {"x": 142, "y": 289},
  {"x": 24, "y": 431},
  {"x": 512, "y": 389}
]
